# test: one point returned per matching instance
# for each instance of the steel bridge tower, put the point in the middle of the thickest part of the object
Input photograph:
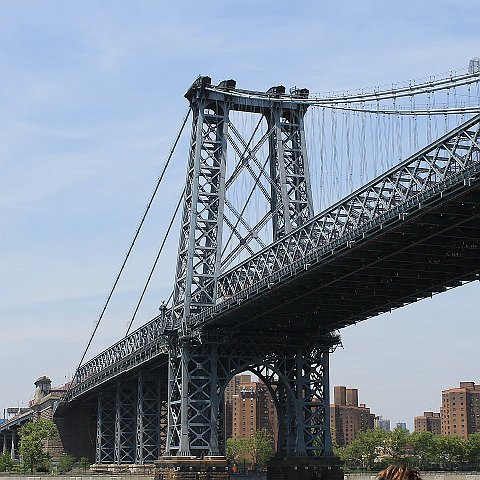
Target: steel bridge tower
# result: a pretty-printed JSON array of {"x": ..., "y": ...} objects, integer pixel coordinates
[{"x": 202, "y": 361}]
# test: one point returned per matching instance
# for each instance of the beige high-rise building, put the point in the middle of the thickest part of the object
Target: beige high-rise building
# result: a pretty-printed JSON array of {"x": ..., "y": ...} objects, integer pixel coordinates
[
  {"x": 428, "y": 422},
  {"x": 460, "y": 410},
  {"x": 347, "y": 418}
]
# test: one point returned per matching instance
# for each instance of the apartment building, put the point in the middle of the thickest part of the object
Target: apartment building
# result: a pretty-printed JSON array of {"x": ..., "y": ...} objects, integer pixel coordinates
[
  {"x": 381, "y": 423},
  {"x": 249, "y": 407},
  {"x": 460, "y": 410},
  {"x": 347, "y": 417},
  {"x": 428, "y": 422}
]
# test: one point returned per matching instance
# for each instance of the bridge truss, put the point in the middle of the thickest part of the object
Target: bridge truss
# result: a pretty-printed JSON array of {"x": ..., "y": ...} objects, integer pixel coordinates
[{"x": 411, "y": 232}]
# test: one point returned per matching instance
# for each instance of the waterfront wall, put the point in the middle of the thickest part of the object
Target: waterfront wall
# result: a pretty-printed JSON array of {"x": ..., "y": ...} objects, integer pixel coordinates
[{"x": 352, "y": 476}]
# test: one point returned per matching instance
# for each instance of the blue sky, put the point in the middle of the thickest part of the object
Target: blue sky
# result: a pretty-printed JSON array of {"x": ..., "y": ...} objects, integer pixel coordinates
[{"x": 91, "y": 96}]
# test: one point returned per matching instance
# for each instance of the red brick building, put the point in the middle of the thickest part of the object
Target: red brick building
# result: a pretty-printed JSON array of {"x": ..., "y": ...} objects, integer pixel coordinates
[
  {"x": 347, "y": 417},
  {"x": 249, "y": 407}
]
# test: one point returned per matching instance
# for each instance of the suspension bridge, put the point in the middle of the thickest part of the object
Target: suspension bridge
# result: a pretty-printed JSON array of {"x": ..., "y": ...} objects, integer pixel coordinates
[{"x": 264, "y": 283}]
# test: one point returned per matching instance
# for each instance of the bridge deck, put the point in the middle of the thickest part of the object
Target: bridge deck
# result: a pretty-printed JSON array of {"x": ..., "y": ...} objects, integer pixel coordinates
[
  {"x": 425, "y": 250},
  {"x": 412, "y": 232}
]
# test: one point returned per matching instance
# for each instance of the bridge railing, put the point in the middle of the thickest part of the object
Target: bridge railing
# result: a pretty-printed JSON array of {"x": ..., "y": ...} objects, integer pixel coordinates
[
  {"x": 140, "y": 346},
  {"x": 453, "y": 153}
]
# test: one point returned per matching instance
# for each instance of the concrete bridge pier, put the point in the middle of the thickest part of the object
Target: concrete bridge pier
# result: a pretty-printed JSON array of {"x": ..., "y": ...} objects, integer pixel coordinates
[{"x": 305, "y": 468}]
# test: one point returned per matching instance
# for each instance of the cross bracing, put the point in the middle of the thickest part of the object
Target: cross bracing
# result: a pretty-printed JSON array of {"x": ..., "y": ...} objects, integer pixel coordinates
[
  {"x": 288, "y": 193},
  {"x": 131, "y": 420}
]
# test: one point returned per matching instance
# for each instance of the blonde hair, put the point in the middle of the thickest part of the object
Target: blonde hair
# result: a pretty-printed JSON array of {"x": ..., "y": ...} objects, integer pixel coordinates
[{"x": 398, "y": 472}]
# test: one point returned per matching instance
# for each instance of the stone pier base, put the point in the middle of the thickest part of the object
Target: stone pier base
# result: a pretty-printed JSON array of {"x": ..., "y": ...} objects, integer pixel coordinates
[
  {"x": 305, "y": 468},
  {"x": 191, "y": 468}
]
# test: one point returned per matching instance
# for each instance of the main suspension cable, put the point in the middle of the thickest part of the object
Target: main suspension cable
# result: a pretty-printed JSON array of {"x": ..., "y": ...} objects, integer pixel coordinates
[
  {"x": 398, "y": 111},
  {"x": 142, "y": 221},
  {"x": 406, "y": 91}
]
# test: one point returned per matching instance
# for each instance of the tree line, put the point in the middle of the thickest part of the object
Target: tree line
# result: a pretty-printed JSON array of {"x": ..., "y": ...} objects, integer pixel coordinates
[{"x": 373, "y": 449}]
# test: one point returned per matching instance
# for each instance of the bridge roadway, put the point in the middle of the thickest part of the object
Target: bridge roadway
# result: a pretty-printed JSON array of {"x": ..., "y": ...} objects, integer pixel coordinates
[{"x": 411, "y": 233}]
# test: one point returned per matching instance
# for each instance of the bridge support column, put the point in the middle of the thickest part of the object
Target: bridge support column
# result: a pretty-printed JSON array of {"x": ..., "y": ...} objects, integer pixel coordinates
[
  {"x": 306, "y": 451},
  {"x": 131, "y": 422},
  {"x": 4, "y": 447},
  {"x": 125, "y": 422},
  {"x": 193, "y": 438},
  {"x": 194, "y": 401},
  {"x": 291, "y": 200},
  {"x": 151, "y": 421},
  {"x": 105, "y": 428}
]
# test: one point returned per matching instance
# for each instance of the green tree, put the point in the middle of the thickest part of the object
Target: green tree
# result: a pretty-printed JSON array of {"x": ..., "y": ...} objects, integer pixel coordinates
[
  {"x": 424, "y": 448},
  {"x": 367, "y": 446},
  {"x": 84, "y": 464},
  {"x": 32, "y": 436},
  {"x": 257, "y": 449},
  {"x": 261, "y": 447},
  {"x": 472, "y": 448},
  {"x": 6, "y": 462},
  {"x": 338, "y": 451},
  {"x": 65, "y": 463},
  {"x": 349, "y": 455},
  {"x": 396, "y": 444},
  {"x": 450, "y": 449},
  {"x": 237, "y": 448}
]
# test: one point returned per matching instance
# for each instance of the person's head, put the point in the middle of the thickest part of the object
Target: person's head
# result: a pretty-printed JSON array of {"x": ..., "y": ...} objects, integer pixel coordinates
[{"x": 398, "y": 472}]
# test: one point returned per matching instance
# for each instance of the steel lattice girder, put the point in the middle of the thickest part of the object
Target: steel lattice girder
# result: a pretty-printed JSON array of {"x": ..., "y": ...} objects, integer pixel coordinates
[
  {"x": 191, "y": 378},
  {"x": 125, "y": 422},
  {"x": 131, "y": 421},
  {"x": 198, "y": 263},
  {"x": 139, "y": 347},
  {"x": 291, "y": 194}
]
